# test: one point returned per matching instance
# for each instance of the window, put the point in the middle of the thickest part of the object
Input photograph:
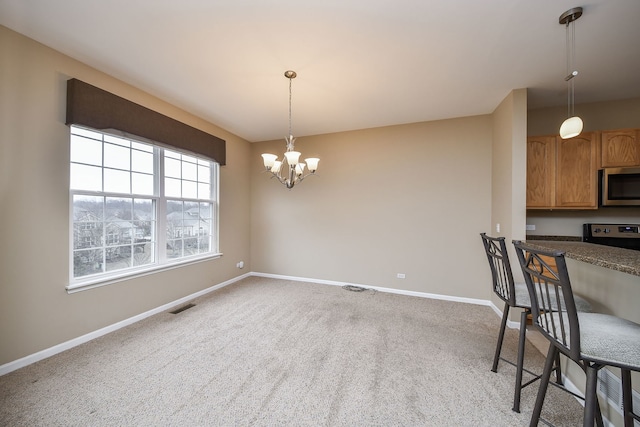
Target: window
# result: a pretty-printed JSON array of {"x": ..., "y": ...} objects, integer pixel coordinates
[{"x": 137, "y": 207}]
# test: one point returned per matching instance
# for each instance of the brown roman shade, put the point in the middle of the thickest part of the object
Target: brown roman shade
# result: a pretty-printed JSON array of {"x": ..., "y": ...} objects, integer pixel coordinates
[{"x": 95, "y": 108}]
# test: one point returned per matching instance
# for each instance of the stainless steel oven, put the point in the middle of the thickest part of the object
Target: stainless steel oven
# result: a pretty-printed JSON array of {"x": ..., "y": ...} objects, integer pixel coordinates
[
  {"x": 620, "y": 187},
  {"x": 619, "y": 235}
]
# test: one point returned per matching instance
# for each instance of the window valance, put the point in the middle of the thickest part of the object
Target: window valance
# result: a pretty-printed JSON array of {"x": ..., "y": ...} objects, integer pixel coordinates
[{"x": 95, "y": 108}]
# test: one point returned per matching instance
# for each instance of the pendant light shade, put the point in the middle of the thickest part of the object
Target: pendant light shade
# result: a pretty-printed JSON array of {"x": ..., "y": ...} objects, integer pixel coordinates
[{"x": 571, "y": 127}]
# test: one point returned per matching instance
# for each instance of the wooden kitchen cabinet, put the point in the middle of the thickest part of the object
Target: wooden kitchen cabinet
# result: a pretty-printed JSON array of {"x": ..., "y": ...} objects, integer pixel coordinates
[
  {"x": 541, "y": 171},
  {"x": 562, "y": 173},
  {"x": 620, "y": 148}
]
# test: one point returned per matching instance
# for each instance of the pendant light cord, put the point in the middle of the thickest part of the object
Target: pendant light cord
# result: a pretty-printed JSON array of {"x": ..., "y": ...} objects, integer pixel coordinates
[{"x": 571, "y": 73}]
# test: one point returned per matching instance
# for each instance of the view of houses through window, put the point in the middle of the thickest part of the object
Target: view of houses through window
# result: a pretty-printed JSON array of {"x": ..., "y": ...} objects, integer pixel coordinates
[{"x": 123, "y": 192}]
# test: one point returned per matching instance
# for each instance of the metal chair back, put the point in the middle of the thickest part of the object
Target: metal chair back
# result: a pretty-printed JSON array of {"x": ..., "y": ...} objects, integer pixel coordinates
[
  {"x": 496, "y": 251},
  {"x": 553, "y": 306}
]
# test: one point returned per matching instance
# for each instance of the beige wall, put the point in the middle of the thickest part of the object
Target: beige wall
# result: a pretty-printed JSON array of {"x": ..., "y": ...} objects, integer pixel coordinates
[
  {"x": 596, "y": 116},
  {"x": 35, "y": 310},
  {"x": 508, "y": 207},
  {"x": 406, "y": 199}
]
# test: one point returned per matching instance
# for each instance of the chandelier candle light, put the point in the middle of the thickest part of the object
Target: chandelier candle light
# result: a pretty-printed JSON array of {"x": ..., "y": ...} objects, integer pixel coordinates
[
  {"x": 573, "y": 125},
  {"x": 291, "y": 165}
]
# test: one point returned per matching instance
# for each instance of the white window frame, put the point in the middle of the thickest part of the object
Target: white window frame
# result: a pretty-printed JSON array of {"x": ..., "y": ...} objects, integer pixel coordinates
[{"x": 162, "y": 262}]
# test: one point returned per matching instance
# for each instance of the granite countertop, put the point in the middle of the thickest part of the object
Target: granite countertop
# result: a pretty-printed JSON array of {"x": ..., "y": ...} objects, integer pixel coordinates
[{"x": 625, "y": 260}]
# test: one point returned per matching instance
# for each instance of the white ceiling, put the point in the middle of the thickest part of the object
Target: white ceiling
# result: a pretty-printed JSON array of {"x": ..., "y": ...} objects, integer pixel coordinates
[{"x": 360, "y": 63}]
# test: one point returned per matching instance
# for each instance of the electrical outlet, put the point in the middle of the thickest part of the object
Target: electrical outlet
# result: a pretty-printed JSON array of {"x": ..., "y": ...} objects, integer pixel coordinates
[
  {"x": 400, "y": 276},
  {"x": 497, "y": 227},
  {"x": 531, "y": 227}
]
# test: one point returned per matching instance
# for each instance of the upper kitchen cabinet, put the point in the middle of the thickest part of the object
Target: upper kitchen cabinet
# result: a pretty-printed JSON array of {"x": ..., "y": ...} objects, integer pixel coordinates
[
  {"x": 541, "y": 171},
  {"x": 620, "y": 148},
  {"x": 562, "y": 173}
]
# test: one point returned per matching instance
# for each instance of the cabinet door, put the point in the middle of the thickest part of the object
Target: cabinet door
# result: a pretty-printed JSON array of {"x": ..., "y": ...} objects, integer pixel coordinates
[
  {"x": 541, "y": 171},
  {"x": 576, "y": 180},
  {"x": 620, "y": 148}
]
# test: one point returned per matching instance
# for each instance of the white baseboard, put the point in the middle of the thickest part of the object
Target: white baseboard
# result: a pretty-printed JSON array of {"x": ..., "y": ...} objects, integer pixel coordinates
[
  {"x": 32, "y": 358},
  {"x": 381, "y": 289}
]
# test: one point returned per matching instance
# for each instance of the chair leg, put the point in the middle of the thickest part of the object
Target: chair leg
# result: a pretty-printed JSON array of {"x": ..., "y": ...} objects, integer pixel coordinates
[
  {"x": 544, "y": 383},
  {"x": 590, "y": 398},
  {"x": 558, "y": 370},
  {"x": 496, "y": 358},
  {"x": 627, "y": 398},
  {"x": 520, "y": 363}
]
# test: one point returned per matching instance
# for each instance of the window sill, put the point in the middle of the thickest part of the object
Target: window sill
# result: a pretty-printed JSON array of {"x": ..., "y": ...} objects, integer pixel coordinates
[{"x": 84, "y": 285}]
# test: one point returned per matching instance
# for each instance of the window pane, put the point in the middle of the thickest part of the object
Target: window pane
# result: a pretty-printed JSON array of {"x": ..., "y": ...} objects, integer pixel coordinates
[
  {"x": 190, "y": 246},
  {"x": 189, "y": 158},
  {"x": 118, "y": 233},
  {"x": 142, "y": 147},
  {"x": 189, "y": 190},
  {"x": 171, "y": 167},
  {"x": 86, "y": 132},
  {"x": 85, "y": 150},
  {"x": 172, "y": 154},
  {"x": 142, "y": 184},
  {"x": 118, "y": 258},
  {"x": 116, "y": 181},
  {"x": 88, "y": 262},
  {"x": 204, "y": 174},
  {"x": 174, "y": 220},
  {"x": 143, "y": 209},
  {"x": 205, "y": 210},
  {"x": 117, "y": 157},
  {"x": 189, "y": 171},
  {"x": 87, "y": 235},
  {"x": 84, "y": 177},
  {"x": 143, "y": 254},
  {"x": 116, "y": 140},
  {"x": 88, "y": 208},
  {"x": 191, "y": 208},
  {"x": 204, "y": 191},
  {"x": 172, "y": 187},
  {"x": 142, "y": 231},
  {"x": 119, "y": 208},
  {"x": 142, "y": 161},
  {"x": 204, "y": 244},
  {"x": 174, "y": 249}
]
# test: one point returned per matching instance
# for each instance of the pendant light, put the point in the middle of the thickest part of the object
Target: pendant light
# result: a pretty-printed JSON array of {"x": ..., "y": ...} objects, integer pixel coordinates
[
  {"x": 292, "y": 168},
  {"x": 572, "y": 126}
]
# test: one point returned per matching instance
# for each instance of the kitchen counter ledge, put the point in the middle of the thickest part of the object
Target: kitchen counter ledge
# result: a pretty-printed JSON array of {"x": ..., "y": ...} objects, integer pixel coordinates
[{"x": 624, "y": 260}]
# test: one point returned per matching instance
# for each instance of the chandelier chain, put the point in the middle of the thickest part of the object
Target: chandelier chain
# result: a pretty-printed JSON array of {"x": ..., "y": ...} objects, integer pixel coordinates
[{"x": 290, "y": 107}]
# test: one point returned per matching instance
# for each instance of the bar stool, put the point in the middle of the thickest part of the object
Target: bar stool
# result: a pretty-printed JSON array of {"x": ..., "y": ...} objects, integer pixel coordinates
[
  {"x": 592, "y": 340},
  {"x": 514, "y": 295}
]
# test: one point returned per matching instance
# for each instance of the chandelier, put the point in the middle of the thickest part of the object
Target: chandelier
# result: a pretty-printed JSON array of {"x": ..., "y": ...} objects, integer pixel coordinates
[
  {"x": 289, "y": 171},
  {"x": 573, "y": 125}
]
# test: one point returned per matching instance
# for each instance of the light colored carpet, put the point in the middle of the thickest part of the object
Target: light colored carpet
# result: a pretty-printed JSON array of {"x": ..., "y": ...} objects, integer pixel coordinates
[{"x": 266, "y": 352}]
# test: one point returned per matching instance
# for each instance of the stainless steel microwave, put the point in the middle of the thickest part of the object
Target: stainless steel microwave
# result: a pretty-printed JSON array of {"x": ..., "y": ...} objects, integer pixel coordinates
[{"x": 621, "y": 187}]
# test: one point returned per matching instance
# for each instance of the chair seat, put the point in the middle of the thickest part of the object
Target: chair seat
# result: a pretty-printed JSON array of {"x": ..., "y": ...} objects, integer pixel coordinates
[
  {"x": 609, "y": 339},
  {"x": 523, "y": 299}
]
